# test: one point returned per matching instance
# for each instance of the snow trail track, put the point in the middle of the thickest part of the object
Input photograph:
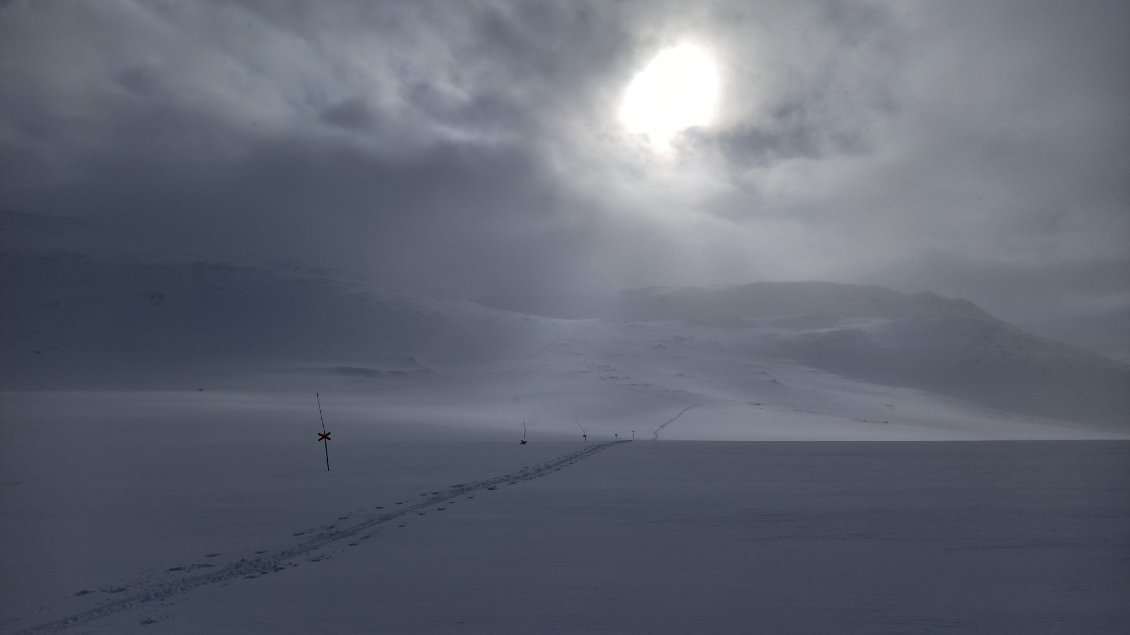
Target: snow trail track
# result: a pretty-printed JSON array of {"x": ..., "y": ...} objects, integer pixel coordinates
[
  {"x": 167, "y": 586},
  {"x": 655, "y": 433}
]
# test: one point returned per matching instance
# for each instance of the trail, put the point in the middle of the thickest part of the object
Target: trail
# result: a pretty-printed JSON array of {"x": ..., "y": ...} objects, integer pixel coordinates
[
  {"x": 164, "y": 587},
  {"x": 655, "y": 433}
]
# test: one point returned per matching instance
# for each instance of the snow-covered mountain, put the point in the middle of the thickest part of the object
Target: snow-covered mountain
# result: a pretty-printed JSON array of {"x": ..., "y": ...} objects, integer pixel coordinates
[
  {"x": 72, "y": 318},
  {"x": 808, "y": 303},
  {"x": 922, "y": 341},
  {"x": 100, "y": 315}
]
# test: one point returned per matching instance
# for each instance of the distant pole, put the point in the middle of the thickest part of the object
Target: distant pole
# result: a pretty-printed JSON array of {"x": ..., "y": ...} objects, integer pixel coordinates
[
  {"x": 584, "y": 435},
  {"x": 523, "y": 441},
  {"x": 633, "y": 435},
  {"x": 324, "y": 437}
]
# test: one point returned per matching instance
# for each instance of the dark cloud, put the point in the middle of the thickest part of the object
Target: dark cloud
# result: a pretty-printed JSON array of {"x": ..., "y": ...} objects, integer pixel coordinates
[
  {"x": 790, "y": 132},
  {"x": 972, "y": 149},
  {"x": 351, "y": 114}
]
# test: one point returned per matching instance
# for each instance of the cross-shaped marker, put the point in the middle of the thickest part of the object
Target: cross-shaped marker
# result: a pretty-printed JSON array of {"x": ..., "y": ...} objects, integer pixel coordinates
[{"x": 324, "y": 435}]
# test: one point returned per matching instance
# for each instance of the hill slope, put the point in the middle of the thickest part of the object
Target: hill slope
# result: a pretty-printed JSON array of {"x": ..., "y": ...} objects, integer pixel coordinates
[
  {"x": 72, "y": 320},
  {"x": 764, "y": 360},
  {"x": 922, "y": 341}
]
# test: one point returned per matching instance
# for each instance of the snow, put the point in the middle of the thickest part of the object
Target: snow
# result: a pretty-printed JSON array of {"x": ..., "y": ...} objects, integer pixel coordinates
[
  {"x": 808, "y": 457},
  {"x": 222, "y": 526},
  {"x": 146, "y": 482}
]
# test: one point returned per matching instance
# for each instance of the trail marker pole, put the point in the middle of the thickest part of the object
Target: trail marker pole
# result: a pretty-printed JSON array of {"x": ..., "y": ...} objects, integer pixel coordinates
[
  {"x": 523, "y": 441},
  {"x": 584, "y": 435},
  {"x": 323, "y": 436}
]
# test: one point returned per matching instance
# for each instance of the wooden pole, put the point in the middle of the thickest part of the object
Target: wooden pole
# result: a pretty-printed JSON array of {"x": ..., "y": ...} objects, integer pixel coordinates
[{"x": 325, "y": 441}]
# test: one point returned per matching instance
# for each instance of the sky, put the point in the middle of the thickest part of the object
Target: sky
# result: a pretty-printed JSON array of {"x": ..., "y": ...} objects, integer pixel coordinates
[{"x": 974, "y": 149}]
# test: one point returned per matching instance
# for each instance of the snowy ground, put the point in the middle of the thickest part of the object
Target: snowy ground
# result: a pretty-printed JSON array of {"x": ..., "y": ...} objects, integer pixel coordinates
[{"x": 201, "y": 512}]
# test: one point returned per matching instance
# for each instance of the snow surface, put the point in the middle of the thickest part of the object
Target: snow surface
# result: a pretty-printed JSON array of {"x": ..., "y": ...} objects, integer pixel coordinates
[{"x": 232, "y": 525}]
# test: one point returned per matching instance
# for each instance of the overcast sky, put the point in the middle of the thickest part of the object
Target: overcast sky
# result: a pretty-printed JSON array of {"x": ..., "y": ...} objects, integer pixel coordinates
[{"x": 977, "y": 149}]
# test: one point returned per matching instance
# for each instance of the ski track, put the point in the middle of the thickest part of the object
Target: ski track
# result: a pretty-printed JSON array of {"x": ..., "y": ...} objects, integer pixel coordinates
[
  {"x": 279, "y": 559},
  {"x": 655, "y": 433}
]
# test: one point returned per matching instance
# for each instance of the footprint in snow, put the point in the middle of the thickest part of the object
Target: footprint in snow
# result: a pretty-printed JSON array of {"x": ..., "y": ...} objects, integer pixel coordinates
[
  {"x": 299, "y": 533},
  {"x": 83, "y": 592},
  {"x": 212, "y": 555},
  {"x": 379, "y": 507},
  {"x": 175, "y": 569},
  {"x": 343, "y": 517},
  {"x": 147, "y": 621}
]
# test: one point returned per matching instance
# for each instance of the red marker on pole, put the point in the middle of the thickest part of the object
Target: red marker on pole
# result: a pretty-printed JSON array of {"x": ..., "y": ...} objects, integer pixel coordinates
[{"x": 323, "y": 436}]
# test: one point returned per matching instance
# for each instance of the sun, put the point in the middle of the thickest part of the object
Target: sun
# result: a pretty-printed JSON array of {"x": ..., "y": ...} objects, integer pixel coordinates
[{"x": 677, "y": 90}]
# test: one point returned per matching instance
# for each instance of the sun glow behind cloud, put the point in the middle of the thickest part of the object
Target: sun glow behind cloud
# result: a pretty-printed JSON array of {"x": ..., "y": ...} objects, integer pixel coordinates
[{"x": 677, "y": 90}]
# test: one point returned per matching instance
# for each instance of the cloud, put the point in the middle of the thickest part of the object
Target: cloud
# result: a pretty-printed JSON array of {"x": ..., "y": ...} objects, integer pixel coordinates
[
  {"x": 973, "y": 149},
  {"x": 351, "y": 114}
]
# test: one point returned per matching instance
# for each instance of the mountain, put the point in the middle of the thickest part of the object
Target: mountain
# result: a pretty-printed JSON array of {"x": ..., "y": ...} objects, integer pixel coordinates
[
  {"x": 813, "y": 302},
  {"x": 73, "y": 318},
  {"x": 82, "y": 305},
  {"x": 83, "y": 308},
  {"x": 922, "y": 341}
]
